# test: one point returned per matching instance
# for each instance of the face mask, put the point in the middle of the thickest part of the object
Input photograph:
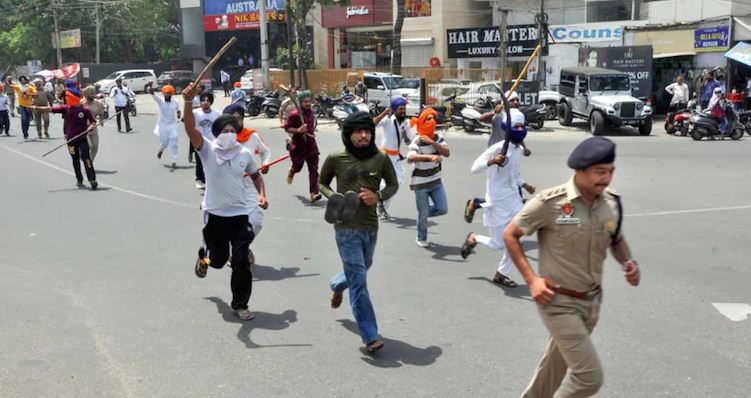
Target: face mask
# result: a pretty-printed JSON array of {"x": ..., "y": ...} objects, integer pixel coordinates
[{"x": 226, "y": 141}]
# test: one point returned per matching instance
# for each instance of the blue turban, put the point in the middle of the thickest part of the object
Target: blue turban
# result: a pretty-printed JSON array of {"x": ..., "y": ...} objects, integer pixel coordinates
[
  {"x": 74, "y": 91},
  {"x": 234, "y": 108},
  {"x": 70, "y": 83},
  {"x": 397, "y": 101}
]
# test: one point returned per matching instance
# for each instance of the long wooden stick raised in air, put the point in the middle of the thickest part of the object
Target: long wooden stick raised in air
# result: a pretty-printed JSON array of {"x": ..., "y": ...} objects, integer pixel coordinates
[
  {"x": 214, "y": 60},
  {"x": 524, "y": 70}
]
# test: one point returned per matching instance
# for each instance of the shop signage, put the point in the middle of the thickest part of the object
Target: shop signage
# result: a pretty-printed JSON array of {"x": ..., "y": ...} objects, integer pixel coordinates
[
  {"x": 666, "y": 41},
  {"x": 484, "y": 42},
  {"x": 220, "y": 15},
  {"x": 527, "y": 91},
  {"x": 712, "y": 39},
  {"x": 586, "y": 33},
  {"x": 362, "y": 10},
  {"x": 634, "y": 60},
  {"x": 68, "y": 39}
]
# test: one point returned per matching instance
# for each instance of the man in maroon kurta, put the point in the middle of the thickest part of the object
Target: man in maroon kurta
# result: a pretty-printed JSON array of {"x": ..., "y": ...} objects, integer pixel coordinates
[{"x": 300, "y": 125}]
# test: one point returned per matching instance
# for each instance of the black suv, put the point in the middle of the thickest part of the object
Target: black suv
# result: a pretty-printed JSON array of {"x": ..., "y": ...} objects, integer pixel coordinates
[{"x": 179, "y": 79}]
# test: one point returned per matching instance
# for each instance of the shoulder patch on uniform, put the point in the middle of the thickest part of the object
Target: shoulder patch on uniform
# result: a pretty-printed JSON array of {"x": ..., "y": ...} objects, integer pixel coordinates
[{"x": 551, "y": 193}]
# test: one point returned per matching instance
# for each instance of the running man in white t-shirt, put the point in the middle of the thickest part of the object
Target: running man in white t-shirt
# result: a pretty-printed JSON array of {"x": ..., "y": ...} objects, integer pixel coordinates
[{"x": 205, "y": 116}]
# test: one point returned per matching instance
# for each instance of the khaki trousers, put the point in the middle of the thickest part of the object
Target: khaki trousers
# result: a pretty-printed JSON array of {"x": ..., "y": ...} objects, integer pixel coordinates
[
  {"x": 93, "y": 138},
  {"x": 570, "y": 322},
  {"x": 39, "y": 118}
]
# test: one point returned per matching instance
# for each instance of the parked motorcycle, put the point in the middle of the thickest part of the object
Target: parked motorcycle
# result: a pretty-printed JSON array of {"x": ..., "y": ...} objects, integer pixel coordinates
[
  {"x": 471, "y": 115},
  {"x": 375, "y": 108},
  {"x": 704, "y": 125},
  {"x": 678, "y": 122},
  {"x": 455, "y": 108},
  {"x": 744, "y": 118},
  {"x": 343, "y": 109},
  {"x": 270, "y": 105},
  {"x": 132, "y": 106},
  {"x": 104, "y": 99},
  {"x": 324, "y": 106},
  {"x": 253, "y": 105}
]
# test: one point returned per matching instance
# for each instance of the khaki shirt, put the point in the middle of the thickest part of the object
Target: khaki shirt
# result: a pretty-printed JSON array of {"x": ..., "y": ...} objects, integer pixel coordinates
[
  {"x": 573, "y": 238},
  {"x": 96, "y": 107},
  {"x": 43, "y": 98}
]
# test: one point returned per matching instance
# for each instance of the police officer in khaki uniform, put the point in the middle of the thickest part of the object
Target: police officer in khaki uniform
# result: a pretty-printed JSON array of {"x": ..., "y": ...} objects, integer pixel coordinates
[{"x": 575, "y": 223}]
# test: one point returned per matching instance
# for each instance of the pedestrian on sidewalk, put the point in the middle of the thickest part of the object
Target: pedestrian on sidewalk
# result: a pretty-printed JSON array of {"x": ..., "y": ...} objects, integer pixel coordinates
[
  {"x": 166, "y": 127},
  {"x": 4, "y": 105},
  {"x": 25, "y": 94},
  {"x": 224, "y": 78},
  {"x": 301, "y": 124},
  {"x": 426, "y": 152},
  {"x": 96, "y": 108},
  {"x": 358, "y": 168},
  {"x": 225, "y": 205},
  {"x": 120, "y": 96},
  {"x": 42, "y": 118},
  {"x": 707, "y": 87},
  {"x": 204, "y": 117},
  {"x": 679, "y": 94},
  {"x": 576, "y": 223},
  {"x": 79, "y": 122},
  {"x": 503, "y": 197}
]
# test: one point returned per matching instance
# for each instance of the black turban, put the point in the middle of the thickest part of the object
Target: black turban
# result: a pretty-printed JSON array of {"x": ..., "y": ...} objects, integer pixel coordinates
[
  {"x": 221, "y": 122},
  {"x": 592, "y": 151},
  {"x": 354, "y": 122}
]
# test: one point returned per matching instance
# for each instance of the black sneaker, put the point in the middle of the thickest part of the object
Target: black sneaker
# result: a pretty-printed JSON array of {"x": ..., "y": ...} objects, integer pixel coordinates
[
  {"x": 79, "y": 183},
  {"x": 503, "y": 280},
  {"x": 94, "y": 185},
  {"x": 334, "y": 208}
]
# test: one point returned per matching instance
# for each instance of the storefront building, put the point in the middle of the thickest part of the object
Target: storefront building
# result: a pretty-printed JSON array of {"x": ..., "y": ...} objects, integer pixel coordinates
[{"x": 357, "y": 35}]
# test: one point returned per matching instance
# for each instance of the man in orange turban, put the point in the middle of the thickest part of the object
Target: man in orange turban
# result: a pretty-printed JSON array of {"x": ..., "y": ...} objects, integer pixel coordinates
[
  {"x": 426, "y": 152},
  {"x": 166, "y": 128}
]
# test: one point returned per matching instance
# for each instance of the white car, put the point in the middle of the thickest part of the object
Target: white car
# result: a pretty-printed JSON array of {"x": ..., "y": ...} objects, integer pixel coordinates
[
  {"x": 135, "y": 78},
  {"x": 246, "y": 81}
]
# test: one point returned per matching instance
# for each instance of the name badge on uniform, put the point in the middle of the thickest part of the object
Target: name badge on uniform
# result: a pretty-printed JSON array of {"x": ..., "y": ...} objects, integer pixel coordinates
[{"x": 567, "y": 210}]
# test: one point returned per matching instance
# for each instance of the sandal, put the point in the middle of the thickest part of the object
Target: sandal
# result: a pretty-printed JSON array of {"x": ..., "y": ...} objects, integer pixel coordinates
[
  {"x": 467, "y": 247},
  {"x": 336, "y": 299},
  {"x": 504, "y": 280},
  {"x": 374, "y": 346}
]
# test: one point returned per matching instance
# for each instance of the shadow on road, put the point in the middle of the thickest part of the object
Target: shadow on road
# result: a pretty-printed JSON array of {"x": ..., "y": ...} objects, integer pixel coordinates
[
  {"x": 85, "y": 188},
  {"x": 395, "y": 353},
  {"x": 268, "y": 273},
  {"x": 520, "y": 292},
  {"x": 173, "y": 169},
  {"x": 98, "y": 171},
  {"x": 440, "y": 252},
  {"x": 306, "y": 201},
  {"x": 404, "y": 223},
  {"x": 263, "y": 320}
]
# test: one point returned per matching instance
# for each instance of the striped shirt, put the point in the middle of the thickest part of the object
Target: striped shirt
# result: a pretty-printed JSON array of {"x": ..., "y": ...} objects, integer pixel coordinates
[{"x": 425, "y": 174}]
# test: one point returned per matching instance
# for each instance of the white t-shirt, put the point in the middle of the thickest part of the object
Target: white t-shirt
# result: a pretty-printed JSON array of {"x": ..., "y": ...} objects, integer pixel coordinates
[
  {"x": 227, "y": 192},
  {"x": 120, "y": 96},
  {"x": 391, "y": 139},
  {"x": 49, "y": 87},
  {"x": 679, "y": 92},
  {"x": 3, "y": 102},
  {"x": 425, "y": 174},
  {"x": 167, "y": 110},
  {"x": 204, "y": 121}
]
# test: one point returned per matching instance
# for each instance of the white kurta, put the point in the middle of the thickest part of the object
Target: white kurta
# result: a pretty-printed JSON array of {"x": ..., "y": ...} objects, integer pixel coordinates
[
  {"x": 166, "y": 127},
  {"x": 391, "y": 140},
  {"x": 255, "y": 214},
  {"x": 502, "y": 197}
]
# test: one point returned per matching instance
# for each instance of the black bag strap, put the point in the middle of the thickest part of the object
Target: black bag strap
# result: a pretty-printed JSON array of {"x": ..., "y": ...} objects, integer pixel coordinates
[{"x": 617, "y": 232}]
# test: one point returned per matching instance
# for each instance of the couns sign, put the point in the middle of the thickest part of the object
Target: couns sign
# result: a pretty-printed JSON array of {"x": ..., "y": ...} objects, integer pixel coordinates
[
  {"x": 221, "y": 15},
  {"x": 587, "y": 33},
  {"x": 484, "y": 42}
]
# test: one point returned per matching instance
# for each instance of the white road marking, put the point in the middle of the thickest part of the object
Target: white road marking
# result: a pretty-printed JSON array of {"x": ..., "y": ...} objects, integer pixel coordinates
[
  {"x": 736, "y": 312},
  {"x": 195, "y": 206}
]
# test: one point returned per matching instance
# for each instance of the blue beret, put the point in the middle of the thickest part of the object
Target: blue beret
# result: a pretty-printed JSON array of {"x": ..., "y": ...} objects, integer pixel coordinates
[{"x": 592, "y": 151}]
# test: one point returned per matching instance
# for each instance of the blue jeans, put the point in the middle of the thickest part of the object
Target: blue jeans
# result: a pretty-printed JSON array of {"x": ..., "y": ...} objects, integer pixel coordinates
[
  {"x": 25, "y": 120},
  {"x": 424, "y": 210},
  {"x": 356, "y": 250}
]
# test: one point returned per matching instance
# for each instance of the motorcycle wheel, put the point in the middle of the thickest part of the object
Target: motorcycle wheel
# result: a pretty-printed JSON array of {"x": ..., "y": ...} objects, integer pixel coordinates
[
  {"x": 668, "y": 129},
  {"x": 133, "y": 111},
  {"x": 684, "y": 130},
  {"x": 736, "y": 133},
  {"x": 270, "y": 114},
  {"x": 698, "y": 133},
  {"x": 538, "y": 125},
  {"x": 468, "y": 127}
]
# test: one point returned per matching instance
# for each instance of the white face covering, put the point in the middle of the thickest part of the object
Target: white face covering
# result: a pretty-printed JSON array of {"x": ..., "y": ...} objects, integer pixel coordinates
[{"x": 226, "y": 147}]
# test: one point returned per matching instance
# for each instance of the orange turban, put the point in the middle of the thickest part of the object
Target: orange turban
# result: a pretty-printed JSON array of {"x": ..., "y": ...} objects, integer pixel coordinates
[
  {"x": 238, "y": 85},
  {"x": 72, "y": 98},
  {"x": 244, "y": 135},
  {"x": 425, "y": 127},
  {"x": 168, "y": 89}
]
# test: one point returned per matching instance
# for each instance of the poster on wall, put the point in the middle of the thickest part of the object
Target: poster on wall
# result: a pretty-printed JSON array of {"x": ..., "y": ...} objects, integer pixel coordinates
[
  {"x": 227, "y": 15},
  {"x": 712, "y": 39},
  {"x": 417, "y": 8},
  {"x": 634, "y": 60}
]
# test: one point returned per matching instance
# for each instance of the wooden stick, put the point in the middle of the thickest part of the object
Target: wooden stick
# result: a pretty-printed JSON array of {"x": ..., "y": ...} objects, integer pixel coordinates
[
  {"x": 214, "y": 60},
  {"x": 275, "y": 161},
  {"x": 524, "y": 70},
  {"x": 66, "y": 143}
]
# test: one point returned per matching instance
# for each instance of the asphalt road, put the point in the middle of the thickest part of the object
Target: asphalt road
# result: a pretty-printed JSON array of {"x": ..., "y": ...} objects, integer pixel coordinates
[{"x": 99, "y": 298}]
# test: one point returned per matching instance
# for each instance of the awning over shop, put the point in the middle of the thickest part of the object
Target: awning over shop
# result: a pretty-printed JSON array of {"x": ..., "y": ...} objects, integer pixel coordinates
[
  {"x": 741, "y": 52},
  {"x": 741, "y": 28},
  {"x": 670, "y": 55}
]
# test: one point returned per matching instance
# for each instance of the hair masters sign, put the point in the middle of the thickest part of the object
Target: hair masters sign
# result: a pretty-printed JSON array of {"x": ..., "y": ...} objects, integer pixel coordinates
[{"x": 484, "y": 42}]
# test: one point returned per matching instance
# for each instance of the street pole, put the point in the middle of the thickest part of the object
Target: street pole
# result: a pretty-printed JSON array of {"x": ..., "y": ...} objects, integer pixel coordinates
[
  {"x": 503, "y": 44},
  {"x": 57, "y": 36},
  {"x": 542, "y": 32},
  {"x": 291, "y": 56},
  {"x": 98, "y": 25},
  {"x": 264, "y": 46}
]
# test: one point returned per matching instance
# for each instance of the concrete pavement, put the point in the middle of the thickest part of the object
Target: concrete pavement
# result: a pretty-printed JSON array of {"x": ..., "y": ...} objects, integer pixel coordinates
[{"x": 99, "y": 297}]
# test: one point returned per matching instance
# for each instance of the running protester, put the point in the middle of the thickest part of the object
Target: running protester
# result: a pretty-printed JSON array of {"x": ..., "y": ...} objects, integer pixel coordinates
[
  {"x": 358, "y": 168},
  {"x": 79, "y": 122},
  {"x": 25, "y": 94},
  {"x": 427, "y": 151},
  {"x": 393, "y": 127},
  {"x": 303, "y": 147},
  {"x": 166, "y": 128},
  {"x": 204, "y": 116},
  {"x": 4, "y": 105},
  {"x": 226, "y": 229},
  {"x": 502, "y": 194}
]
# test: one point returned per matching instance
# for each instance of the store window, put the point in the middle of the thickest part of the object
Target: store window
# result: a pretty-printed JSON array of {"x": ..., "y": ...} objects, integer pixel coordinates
[
  {"x": 366, "y": 49},
  {"x": 417, "y": 8},
  {"x": 609, "y": 10}
]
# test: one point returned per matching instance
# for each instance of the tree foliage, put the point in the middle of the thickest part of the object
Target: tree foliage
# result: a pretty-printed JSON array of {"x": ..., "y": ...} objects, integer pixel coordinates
[{"x": 130, "y": 30}]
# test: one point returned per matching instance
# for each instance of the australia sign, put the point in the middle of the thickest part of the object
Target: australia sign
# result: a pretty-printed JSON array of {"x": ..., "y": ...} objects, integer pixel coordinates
[
  {"x": 222, "y": 15},
  {"x": 484, "y": 42}
]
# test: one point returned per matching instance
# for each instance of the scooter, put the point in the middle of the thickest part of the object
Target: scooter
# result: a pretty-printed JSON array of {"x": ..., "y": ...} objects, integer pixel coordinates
[
  {"x": 471, "y": 115},
  {"x": 104, "y": 99},
  {"x": 343, "y": 109},
  {"x": 254, "y": 104},
  {"x": 455, "y": 108},
  {"x": 270, "y": 105},
  {"x": 744, "y": 118},
  {"x": 705, "y": 125},
  {"x": 534, "y": 115},
  {"x": 324, "y": 106},
  {"x": 132, "y": 106}
]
